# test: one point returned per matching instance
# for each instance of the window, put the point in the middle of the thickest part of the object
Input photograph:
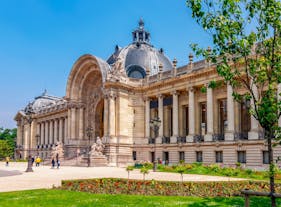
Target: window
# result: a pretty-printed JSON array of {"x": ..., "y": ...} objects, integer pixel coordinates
[
  {"x": 134, "y": 155},
  {"x": 219, "y": 156},
  {"x": 166, "y": 158},
  {"x": 265, "y": 157},
  {"x": 152, "y": 156},
  {"x": 241, "y": 156},
  {"x": 222, "y": 116},
  {"x": 203, "y": 123},
  {"x": 181, "y": 157},
  {"x": 199, "y": 157}
]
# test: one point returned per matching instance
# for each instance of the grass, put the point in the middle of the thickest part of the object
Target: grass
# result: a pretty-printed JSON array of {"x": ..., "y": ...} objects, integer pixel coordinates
[
  {"x": 60, "y": 198},
  {"x": 216, "y": 170}
]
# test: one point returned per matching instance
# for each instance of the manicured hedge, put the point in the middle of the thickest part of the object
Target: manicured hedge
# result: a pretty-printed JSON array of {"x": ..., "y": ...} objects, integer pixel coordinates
[{"x": 153, "y": 187}]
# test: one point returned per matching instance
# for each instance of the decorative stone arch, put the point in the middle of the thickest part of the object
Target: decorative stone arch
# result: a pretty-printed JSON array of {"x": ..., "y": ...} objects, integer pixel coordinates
[{"x": 85, "y": 85}]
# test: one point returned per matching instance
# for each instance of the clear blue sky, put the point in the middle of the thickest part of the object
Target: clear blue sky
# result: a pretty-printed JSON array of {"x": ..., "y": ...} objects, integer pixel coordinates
[{"x": 41, "y": 39}]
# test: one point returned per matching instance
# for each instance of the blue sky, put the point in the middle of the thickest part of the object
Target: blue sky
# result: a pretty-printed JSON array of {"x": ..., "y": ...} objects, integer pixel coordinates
[{"x": 41, "y": 39}]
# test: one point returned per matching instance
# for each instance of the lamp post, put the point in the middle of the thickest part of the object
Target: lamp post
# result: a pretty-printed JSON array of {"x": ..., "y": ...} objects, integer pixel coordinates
[
  {"x": 89, "y": 132},
  {"x": 29, "y": 163},
  {"x": 155, "y": 124},
  {"x": 37, "y": 141}
]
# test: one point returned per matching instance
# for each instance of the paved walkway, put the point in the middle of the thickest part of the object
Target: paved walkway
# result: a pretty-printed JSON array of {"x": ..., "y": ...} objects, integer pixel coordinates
[{"x": 13, "y": 178}]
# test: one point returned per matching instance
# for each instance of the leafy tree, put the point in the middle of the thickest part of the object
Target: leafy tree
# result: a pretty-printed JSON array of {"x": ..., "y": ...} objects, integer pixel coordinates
[
  {"x": 129, "y": 169},
  {"x": 7, "y": 138},
  {"x": 144, "y": 171},
  {"x": 5, "y": 149},
  {"x": 180, "y": 169},
  {"x": 246, "y": 39}
]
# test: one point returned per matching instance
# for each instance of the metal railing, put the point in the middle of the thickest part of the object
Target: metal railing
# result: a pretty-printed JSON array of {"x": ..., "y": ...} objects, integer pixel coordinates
[
  {"x": 166, "y": 140},
  {"x": 151, "y": 141},
  {"x": 218, "y": 137},
  {"x": 198, "y": 138},
  {"x": 181, "y": 139},
  {"x": 240, "y": 135}
]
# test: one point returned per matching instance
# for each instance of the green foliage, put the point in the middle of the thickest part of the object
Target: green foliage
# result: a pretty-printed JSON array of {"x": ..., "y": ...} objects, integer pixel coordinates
[
  {"x": 167, "y": 188},
  {"x": 129, "y": 169},
  {"x": 144, "y": 171},
  {"x": 7, "y": 142},
  {"x": 203, "y": 89},
  {"x": 5, "y": 149},
  {"x": 59, "y": 198},
  {"x": 215, "y": 169}
]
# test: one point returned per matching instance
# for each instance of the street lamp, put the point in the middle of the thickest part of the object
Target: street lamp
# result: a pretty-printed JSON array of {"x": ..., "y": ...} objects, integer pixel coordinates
[
  {"x": 89, "y": 132},
  {"x": 37, "y": 141},
  {"x": 155, "y": 125},
  {"x": 29, "y": 163}
]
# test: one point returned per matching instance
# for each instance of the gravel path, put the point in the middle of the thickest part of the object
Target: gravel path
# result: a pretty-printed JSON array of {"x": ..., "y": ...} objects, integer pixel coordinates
[{"x": 13, "y": 178}]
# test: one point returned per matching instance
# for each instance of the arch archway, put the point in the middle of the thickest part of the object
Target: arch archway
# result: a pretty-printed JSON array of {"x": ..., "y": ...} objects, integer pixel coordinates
[{"x": 85, "y": 86}]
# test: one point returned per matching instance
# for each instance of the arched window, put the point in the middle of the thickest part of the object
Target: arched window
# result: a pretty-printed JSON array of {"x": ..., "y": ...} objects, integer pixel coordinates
[{"x": 135, "y": 71}]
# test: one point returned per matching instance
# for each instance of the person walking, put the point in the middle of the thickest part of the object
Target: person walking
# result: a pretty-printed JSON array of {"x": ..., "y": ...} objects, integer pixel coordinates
[
  {"x": 7, "y": 161},
  {"x": 58, "y": 161},
  {"x": 53, "y": 162},
  {"x": 37, "y": 161}
]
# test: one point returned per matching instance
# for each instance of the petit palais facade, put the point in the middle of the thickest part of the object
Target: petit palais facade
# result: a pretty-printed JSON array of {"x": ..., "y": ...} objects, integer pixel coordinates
[{"x": 117, "y": 99}]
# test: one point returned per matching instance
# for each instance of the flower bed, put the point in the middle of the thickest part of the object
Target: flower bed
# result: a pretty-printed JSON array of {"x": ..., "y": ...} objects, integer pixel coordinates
[{"x": 152, "y": 187}]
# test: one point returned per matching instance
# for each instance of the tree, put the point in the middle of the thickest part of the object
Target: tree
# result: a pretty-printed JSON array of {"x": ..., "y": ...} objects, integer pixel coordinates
[
  {"x": 129, "y": 169},
  {"x": 7, "y": 137},
  {"x": 144, "y": 171},
  {"x": 180, "y": 169},
  {"x": 246, "y": 39},
  {"x": 5, "y": 149}
]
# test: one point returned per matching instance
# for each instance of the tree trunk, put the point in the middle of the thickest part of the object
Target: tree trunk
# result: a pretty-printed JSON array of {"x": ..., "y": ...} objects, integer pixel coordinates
[{"x": 269, "y": 135}]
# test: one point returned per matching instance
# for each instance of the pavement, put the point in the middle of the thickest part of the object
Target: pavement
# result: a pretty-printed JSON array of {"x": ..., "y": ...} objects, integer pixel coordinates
[{"x": 14, "y": 177}]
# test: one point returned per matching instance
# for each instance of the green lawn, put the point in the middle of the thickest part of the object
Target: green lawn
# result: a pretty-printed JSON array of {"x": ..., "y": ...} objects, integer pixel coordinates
[{"x": 42, "y": 198}]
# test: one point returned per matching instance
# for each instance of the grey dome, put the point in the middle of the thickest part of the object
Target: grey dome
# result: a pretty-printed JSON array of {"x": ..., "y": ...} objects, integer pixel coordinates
[
  {"x": 140, "y": 55},
  {"x": 41, "y": 102}
]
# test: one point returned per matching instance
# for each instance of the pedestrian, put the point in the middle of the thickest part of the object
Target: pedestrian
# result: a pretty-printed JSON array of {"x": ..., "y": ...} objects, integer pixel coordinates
[
  {"x": 58, "y": 163},
  {"x": 32, "y": 160},
  {"x": 53, "y": 162},
  {"x": 7, "y": 161},
  {"x": 37, "y": 161}
]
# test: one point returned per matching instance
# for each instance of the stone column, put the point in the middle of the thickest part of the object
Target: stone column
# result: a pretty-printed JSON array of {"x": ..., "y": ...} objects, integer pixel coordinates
[
  {"x": 55, "y": 130},
  {"x": 253, "y": 134},
  {"x": 279, "y": 99},
  {"x": 51, "y": 135},
  {"x": 147, "y": 118},
  {"x": 210, "y": 115},
  {"x": 175, "y": 117},
  {"x": 106, "y": 119},
  {"x": 191, "y": 115},
  {"x": 69, "y": 124},
  {"x": 161, "y": 117},
  {"x": 112, "y": 117},
  {"x": 73, "y": 126},
  {"x": 81, "y": 123},
  {"x": 229, "y": 135},
  {"x": 60, "y": 129},
  {"x": 42, "y": 133},
  {"x": 46, "y": 132},
  {"x": 65, "y": 129},
  {"x": 37, "y": 133}
]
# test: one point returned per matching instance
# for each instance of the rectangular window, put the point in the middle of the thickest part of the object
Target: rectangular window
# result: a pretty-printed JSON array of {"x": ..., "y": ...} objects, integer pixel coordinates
[
  {"x": 199, "y": 157},
  {"x": 241, "y": 156},
  {"x": 152, "y": 156},
  {"x": 134, "y": 155},
  {"x": 222, "y": 116},
  {"x": 265, "y": 157},
  {"x": 181, "y": 157},
  {"x": 203, "y": 121},
  {"x": 165, "y": 158},
  {"x": 219, "y": 157}
]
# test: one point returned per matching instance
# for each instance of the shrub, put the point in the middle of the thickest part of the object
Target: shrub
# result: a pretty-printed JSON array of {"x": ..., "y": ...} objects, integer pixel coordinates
[{"x": 153, "y": 187}]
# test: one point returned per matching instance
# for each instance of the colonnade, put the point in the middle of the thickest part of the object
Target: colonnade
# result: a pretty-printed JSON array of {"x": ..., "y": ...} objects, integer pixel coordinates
[
  {"x": 229, "y": 133},
  {"x": 52, "y": 131}
]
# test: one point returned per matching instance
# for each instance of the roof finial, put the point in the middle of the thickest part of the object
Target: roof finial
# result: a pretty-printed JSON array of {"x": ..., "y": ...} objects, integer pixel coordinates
[
  {"x": 141, "y": 23},
  {"x": 45, "y": 92}
]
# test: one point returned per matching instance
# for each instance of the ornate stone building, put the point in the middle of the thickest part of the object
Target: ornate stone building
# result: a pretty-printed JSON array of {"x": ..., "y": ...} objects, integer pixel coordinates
[{"x": 117, "y": 98}]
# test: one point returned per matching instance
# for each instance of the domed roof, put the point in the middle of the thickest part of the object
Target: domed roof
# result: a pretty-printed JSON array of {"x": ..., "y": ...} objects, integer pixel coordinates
[
  {"x": 140, "y": 56},
  {"x": 40, "y": 102}
]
